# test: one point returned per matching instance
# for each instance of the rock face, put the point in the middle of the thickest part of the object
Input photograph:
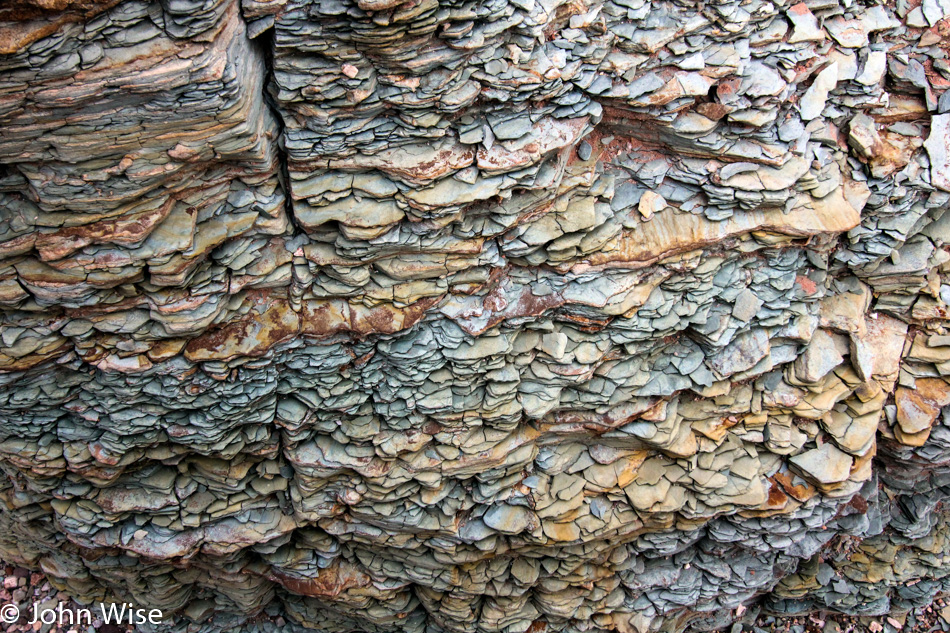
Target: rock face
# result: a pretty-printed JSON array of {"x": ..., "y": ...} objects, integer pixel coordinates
[{"x": 504, "y": 316}]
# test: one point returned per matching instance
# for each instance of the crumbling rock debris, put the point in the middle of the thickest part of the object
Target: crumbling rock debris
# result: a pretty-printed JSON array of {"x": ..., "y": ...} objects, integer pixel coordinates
[{"x": 423, "y": 315}]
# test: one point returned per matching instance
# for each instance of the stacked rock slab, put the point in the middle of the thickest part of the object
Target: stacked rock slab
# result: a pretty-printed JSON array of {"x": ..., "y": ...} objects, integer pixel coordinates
[{"x": 494, "y": 316}]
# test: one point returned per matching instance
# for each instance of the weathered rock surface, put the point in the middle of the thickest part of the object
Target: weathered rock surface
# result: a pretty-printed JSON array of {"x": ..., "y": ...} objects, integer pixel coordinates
[{"x": 383, "y": 315}]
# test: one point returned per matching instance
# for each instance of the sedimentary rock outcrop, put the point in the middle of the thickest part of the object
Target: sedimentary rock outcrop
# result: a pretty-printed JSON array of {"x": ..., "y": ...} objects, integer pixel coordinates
[{"x": 382, "y": 315}]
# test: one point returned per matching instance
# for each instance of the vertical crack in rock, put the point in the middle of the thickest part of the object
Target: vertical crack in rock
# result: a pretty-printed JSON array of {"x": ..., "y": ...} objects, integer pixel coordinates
[{"x": 505, "y": 316}]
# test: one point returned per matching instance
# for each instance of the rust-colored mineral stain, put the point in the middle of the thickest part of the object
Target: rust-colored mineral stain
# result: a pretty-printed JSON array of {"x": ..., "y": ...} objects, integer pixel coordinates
[
  {"x": 809, "y": 286},
  {"x": 802, "y": 492},
  {"x": 328, "y": 583},
  {"x": 538, "y": 626},
  {"x": 214, "y": 339},
  {"x": 777, "y": 497},
  {"x": 31, "y": 20}
]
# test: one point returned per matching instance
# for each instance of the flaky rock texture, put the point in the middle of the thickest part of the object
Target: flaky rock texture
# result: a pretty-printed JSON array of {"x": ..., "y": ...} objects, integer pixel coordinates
[{"x": 495, "y": 316}]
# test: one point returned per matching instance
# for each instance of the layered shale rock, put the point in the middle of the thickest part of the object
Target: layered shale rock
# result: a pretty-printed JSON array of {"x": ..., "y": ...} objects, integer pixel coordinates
[{"x": 425, "y": 315}]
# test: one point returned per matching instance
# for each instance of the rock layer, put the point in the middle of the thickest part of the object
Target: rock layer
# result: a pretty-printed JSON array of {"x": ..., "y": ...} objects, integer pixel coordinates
[{"x": 382, "y": 315}]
